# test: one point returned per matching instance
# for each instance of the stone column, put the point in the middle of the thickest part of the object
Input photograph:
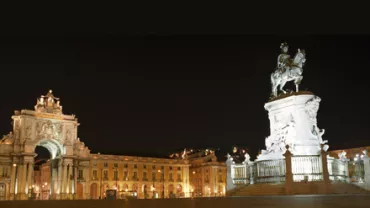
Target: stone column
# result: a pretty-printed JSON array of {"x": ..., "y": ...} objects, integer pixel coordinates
[
  {"x": 288, "y": 171},
  {"x": 74, "y": 192},
  {"x": 251, "y": 174},
  {"x": 22, "y": 176},
  {"x": 347, "y": 170},
  {"x": 366, "y": 160},
  {"x": 12, "y": 182},
  {"x": 229, "y": 180},
  {"x": 29, "y": 175},
  {"x": 59, "y": 180},
  {"x": 325, "y": 171},
  {"x": 64, "y": 181},
  {"x": 185, "y": 178},
  {"x": 69, "y": 181}
]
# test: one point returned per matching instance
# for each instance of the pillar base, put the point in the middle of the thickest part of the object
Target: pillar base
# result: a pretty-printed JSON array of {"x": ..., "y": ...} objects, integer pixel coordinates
[
  {"x": 11, "y": 196},
  {"x": 21, "y": 196},
  {"x": 63, "y": 195}
]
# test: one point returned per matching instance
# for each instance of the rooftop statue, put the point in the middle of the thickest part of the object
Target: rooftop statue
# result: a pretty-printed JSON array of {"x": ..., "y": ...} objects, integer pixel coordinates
[
  {"x": 47, "y": 104},
  {"x": 287, "y": 69}
]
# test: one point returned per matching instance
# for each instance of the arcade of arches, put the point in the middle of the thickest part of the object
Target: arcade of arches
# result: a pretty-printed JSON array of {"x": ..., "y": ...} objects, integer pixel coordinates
[{"x": 72, "y": 172}]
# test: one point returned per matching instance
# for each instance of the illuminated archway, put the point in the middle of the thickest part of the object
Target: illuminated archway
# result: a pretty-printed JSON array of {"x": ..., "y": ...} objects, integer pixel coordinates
[{"x": 48, "y": 127}]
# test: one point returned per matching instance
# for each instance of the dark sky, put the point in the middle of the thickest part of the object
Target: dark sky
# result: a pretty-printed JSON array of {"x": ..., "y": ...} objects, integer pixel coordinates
[{"x": 151, "y": 94}]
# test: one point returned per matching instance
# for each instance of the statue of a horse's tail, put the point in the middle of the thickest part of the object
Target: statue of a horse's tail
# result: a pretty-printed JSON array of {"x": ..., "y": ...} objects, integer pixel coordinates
[{"x": 273, "y": 84}]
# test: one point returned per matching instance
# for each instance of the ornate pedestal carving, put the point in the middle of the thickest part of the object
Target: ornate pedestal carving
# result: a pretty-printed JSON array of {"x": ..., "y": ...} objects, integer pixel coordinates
[{"x": 293, "y": 122}]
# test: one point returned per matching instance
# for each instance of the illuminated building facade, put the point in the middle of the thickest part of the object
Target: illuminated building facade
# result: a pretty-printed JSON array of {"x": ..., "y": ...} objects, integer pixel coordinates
[
  {"x": 72, "y": 172},
  {"x": 207, "y": 175}
]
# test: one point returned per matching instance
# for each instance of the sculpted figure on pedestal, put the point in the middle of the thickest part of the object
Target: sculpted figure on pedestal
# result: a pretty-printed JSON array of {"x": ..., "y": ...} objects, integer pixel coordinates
[
  {"x": 288, "y": 69},
  {"x": 342, "y": 155}
]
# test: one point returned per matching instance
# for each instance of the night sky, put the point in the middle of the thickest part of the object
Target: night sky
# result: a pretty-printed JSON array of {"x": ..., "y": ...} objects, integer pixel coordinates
[{"x": 153, "y": 94}]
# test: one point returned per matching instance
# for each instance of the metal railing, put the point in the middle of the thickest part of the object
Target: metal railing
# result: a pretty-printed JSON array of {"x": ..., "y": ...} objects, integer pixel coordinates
[
  {"x": 269, "y": 171},
  {"x": 306, "y": 168},
  {"x": 338, "y": 169},
  {"x": 239, "y": 173}
]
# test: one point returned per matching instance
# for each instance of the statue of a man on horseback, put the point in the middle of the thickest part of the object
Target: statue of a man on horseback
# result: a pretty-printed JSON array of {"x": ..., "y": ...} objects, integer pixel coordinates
[
  {"x": 287, "y": 69},
  {"x": 284, "y": 61}
]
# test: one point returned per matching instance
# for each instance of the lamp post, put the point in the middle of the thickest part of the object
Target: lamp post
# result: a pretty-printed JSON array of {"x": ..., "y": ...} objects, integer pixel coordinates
[{"x": 162, "y": 178}]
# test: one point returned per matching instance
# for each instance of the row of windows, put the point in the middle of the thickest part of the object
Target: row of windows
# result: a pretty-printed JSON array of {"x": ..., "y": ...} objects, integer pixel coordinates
[
  {"x": 135, "y": 166},
  {"x": 125, "y": 175}
]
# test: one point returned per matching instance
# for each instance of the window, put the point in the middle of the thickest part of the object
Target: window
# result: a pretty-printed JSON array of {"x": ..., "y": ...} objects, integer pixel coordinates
[
  {"x": 105, "y": 175},
  {"x": 178, "y": 168},
  {"x": 125, "y": 175},
  {"x": 125, "y": 165},
  {"x": 95, "y": 174},
  {"x": 144, "y": 166},
  {"x": 115, "y": 174},
  {"x": 162, "y": 167},
  {"x": 135, "y": 165},
  {"x": 105, "y": 165},
  {"x": 135, "y": 175},
  {"x": 5, "y": 172},
  {"x": 115, "y": 165},
  {"x": 80, "y": 174},
  {"x": 144, "y": 175},
  {"x": 179, "y": 177},
  {"x": 153, "y": 176},
  {"x": 170, "y": 167},
  {"x": 153, "y": 167},
  {"x": 171, "y": 177}
]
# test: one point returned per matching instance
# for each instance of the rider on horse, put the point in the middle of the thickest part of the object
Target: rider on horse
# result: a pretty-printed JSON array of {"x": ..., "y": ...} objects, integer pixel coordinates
[{"x": 284, "y": 60}]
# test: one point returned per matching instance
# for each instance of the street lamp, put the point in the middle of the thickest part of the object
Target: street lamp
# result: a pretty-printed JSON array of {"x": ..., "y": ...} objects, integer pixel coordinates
[{"x": 159, "y": 171}]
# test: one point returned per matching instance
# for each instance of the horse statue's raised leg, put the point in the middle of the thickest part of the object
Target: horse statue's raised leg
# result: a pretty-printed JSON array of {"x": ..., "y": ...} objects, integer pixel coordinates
[
  {"x": 282, "y": 84},
  {"x": 297, "y": 82}
]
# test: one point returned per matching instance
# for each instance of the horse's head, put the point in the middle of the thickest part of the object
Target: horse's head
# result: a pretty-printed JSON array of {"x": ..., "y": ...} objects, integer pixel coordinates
[{"x": 300, "y": 58}]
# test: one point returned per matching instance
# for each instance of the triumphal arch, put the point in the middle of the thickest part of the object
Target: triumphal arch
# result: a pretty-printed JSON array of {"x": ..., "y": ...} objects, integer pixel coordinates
[{"x": 45, "y": 126}]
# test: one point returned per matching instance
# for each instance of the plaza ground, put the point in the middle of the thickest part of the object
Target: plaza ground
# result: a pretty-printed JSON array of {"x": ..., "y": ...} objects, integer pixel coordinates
[{"x": 302, "y": 201}]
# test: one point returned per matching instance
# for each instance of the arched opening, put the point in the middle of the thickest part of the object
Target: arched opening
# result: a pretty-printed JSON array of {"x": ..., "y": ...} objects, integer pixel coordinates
[
  {"x": 41, "y": 187},
  {"x": 46, "y": 164},
  {"x": 179, "y": 191},
  {"x": 80, "y": 191},
  {"x": 171, "y": 191},
  {"x": 125, "y": 187},
  {"x": 145, "y": 191},
  {"x": 2, "y": 191},
  {"x": 105, "y": 188},
  {"x": 94, "y": 191}
]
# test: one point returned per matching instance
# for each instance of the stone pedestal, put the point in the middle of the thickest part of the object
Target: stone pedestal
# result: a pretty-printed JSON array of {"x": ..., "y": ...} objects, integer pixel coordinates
[
  {"x": 293, "y": 122},
  {"x": 325, "y": 171},
  {"x": 288, "y": 172}
]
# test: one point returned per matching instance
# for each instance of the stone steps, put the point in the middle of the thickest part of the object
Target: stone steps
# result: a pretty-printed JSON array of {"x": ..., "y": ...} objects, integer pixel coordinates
[
  {"x": 345, "y": 188},
  {"x": 261, "y": 189}
]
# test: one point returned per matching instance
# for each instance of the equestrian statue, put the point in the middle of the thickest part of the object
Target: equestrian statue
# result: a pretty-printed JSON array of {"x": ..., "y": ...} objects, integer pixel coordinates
[{"x": 287, "y": 69}]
